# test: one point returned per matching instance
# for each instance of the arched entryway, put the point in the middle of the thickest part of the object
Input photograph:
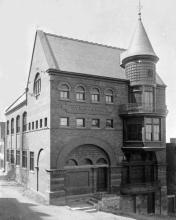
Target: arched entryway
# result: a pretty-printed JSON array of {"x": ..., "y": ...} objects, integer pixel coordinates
[{"x": 86, "y": 170}]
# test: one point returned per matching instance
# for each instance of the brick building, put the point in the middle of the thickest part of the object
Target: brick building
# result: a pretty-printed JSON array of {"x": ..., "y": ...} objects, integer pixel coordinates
[{"x": 91, "y": 121}]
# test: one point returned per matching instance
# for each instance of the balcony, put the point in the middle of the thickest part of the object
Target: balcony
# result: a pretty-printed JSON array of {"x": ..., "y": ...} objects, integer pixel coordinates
[{"x": 142, "y": 108}]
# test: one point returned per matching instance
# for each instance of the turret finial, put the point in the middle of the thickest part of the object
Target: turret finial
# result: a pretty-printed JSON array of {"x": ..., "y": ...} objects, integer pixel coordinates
[{"x": 139, "y": 8}]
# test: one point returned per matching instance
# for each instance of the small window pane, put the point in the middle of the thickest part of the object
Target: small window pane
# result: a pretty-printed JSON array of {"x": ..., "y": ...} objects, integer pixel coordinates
[
  {"x": 64, "y": 122},
  {"x": 80, "y": 122},
  {"x": 95, "y": 123},
  {"x": 109, "y": 123}
]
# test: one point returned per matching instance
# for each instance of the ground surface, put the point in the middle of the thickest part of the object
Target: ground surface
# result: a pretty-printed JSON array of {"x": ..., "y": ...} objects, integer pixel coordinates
[{"x": 15, "y": 206}]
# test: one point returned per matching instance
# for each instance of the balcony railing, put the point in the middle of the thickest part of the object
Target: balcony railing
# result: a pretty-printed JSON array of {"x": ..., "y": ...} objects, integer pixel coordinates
[{"x": 131, "y": 108}]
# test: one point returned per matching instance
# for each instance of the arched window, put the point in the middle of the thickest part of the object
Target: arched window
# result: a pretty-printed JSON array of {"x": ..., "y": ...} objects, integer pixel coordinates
[
  {"x": 18, "y": 124},
  {"x": 64, "y": 91},
  {"x": 7, "y": 127},
  {"x": 24, "y": 121},
  {"x": 109, "y": 96},
  {"x": 80, "y": 93},
  {"x": 37, "y": 84},
  {"x": 12, "y": 126},
  {"x": 71, "y": 162},
  {"x": 86, "y": 161},
  {"x": 101, "y": 161},
  {"x": 95, "y": 95}
]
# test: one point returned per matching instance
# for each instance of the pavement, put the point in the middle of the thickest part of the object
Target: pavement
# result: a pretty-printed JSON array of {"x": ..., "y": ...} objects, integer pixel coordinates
[{"x": 15, "y": 206}]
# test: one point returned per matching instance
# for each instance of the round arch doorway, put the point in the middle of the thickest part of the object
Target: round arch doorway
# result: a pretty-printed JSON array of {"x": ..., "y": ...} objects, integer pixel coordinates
[{"x": 86, "y": 170}]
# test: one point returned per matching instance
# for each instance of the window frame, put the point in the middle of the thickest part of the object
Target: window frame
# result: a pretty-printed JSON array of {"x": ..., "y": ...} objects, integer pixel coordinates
[
  {"x": 18, "y": 157},
  {"x": 31, "y": 160},
  {"x": 111, "y": 123},
  {"x": 17, "y": 124},
  {"x": 153, "y": 124},
  {"x": 12, "y": 126},
  {"x": 95, "y": 95},
  {"x": 24, "y": 159},
  {"x": 62, "y": 123},
  {"x": 64, "y": 92},
  {"x": 80, "y": 93},
  {"x": 109, "y": 96},
  {"x": 24, "y": 121},
  {"x": 37, "y": 85},
  {"x": 80, "y": 125},
  {"x": 97, "y": 125}
]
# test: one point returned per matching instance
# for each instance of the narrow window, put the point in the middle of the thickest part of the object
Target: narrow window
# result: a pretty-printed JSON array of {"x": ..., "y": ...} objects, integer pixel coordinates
[
  {"x": 109, "y": 123},
  {"x": 24, "y": 159},
  {"x": 95, "y": 123},
  {"x": 80, "y": 93},
  {"x": 12, "y": 160},
  {"x": 17, "y": 157},
  {"x": 29, "y": 126},
  {"x": 36, "y": 124},
  {"x": 64, "y": 91},
  {"x": 32, "y": 125},
  {"x": 80, "y": 122},
  {"x": 95, "y": 95},
  {"x": 8, "y": 155},
  {"x": 24, "y": 121},
  {"x": 64, "y": 122},
  {"x": 31, "y": 160},
  {"x": 12, "y": 126},
  {"x": 18, "y": 124},
  {"x": 109, "y": 96},
  {"x": 7, "y": 127},
  {"x": 45, "y": 122},
  {"x": 37, "y": 85},
  {"x": 41, "y": 123}
]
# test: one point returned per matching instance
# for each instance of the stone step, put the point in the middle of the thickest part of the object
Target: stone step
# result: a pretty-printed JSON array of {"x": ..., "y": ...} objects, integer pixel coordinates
[{"x": 84, "y": 208}]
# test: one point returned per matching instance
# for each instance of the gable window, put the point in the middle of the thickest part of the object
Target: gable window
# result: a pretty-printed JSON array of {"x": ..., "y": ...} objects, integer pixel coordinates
[
  {"x": 109, "y": 96},
  {"x": 80, "y": 93},
  {"x": 18, "y": 124},
  {"x": 80, "y": 122},
  {"x": 64, "y": 122},
  {"x": 95, "y": 95},
  {"x": 37, "y": 85},
  {"x": 24, "y": 121},
  {"x": 109, "y": 123},
  {"x": 64, "y": 91},
  {"x": 7, "y": 127},
  {"x": 31, "y": 160},
  {"x": 95, "y": 123},
  {"x": 12, "y": 126}
]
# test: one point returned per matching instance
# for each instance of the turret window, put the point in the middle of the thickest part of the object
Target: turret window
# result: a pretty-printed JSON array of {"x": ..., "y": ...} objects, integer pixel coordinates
[{"x": 152, "y": 129}]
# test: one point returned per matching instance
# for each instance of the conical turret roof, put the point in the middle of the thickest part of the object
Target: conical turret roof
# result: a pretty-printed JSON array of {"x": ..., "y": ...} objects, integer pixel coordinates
[{"x": 140, "y": 44}]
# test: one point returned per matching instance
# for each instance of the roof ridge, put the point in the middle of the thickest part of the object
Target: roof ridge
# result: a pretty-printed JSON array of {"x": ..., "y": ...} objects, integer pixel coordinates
[{"x": 83, "y": 41}]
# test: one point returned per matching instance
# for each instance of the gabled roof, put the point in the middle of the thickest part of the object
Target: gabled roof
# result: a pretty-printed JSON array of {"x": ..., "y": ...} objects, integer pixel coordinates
[
  {"x": 76, "y": 56},
  {"x": 140, "y": 43}
]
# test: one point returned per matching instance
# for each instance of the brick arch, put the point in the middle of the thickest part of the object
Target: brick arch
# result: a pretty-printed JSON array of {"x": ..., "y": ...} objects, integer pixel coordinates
[{"x": 74, "y": 143}]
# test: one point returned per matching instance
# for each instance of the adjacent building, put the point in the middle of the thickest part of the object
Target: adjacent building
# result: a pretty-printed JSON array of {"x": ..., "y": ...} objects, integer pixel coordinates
[
  {"x": 2, "y": 145},
  {"x": 91, "y": 121}
]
